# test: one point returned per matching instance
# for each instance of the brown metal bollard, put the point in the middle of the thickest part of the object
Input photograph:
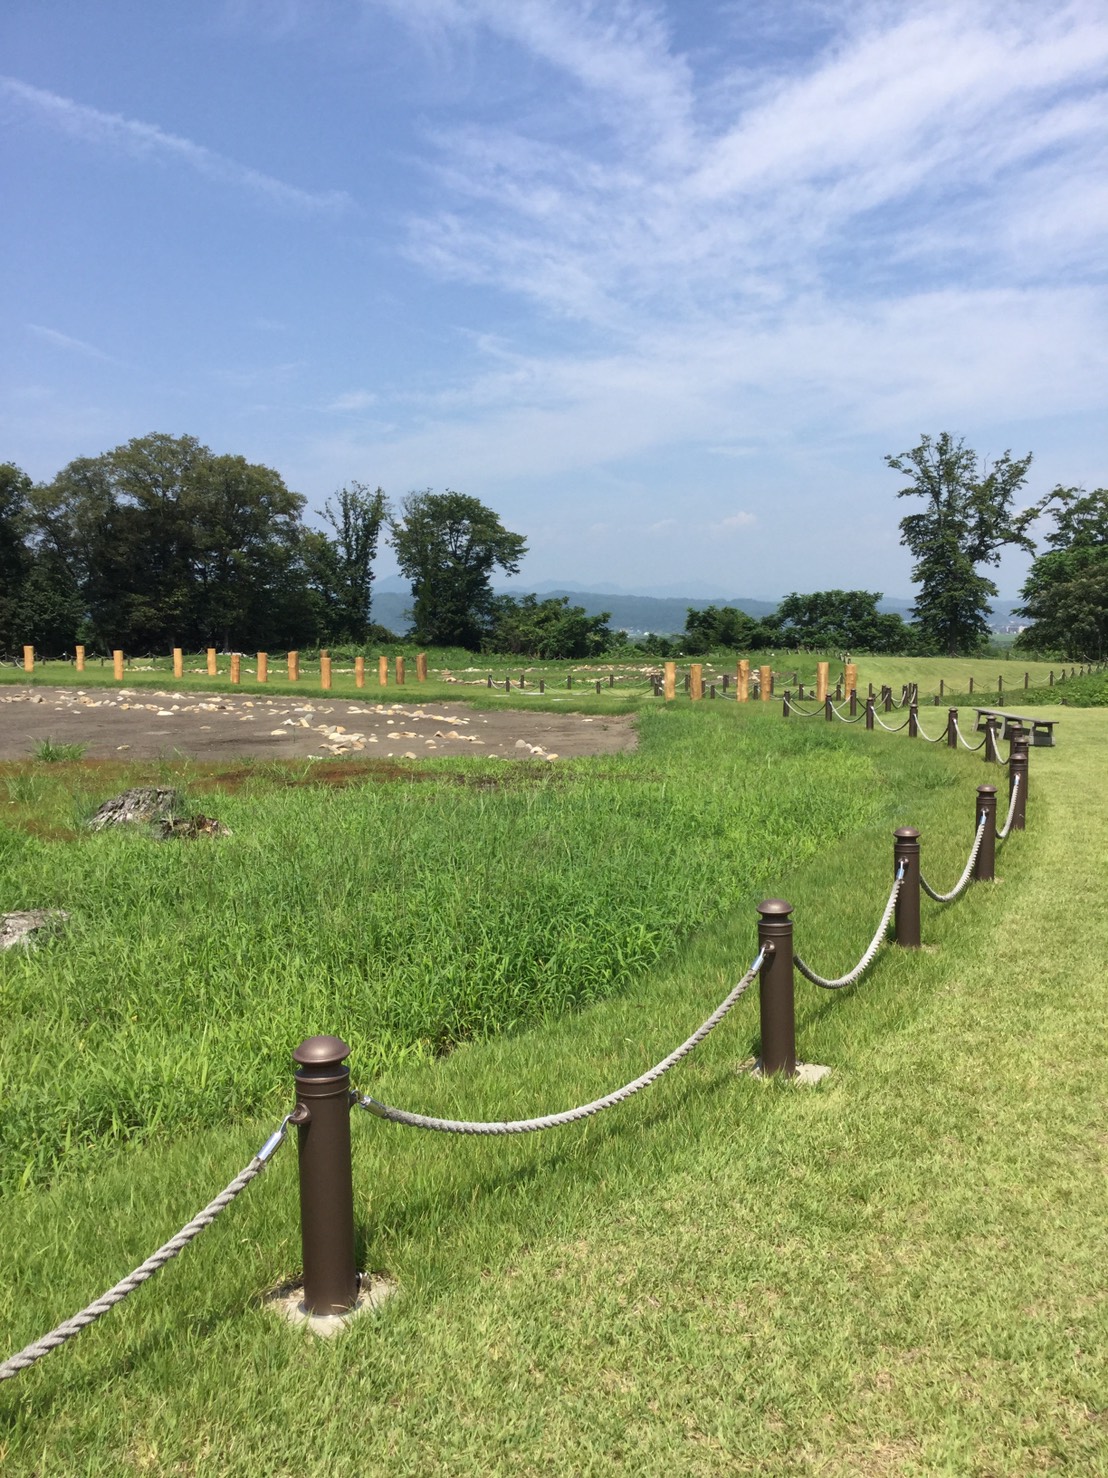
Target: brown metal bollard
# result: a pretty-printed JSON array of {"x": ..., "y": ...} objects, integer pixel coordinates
[
  {"x": 853, "y": 702},
  {"x": 1018, "y": 765},
  {"x": 913, "y": 722},
  {"x": 869, "y": 712},
  {"x": 887, "y": 694},
  {"x": 984, "y": 868},
  {"x": 777, "y": 1011},
  {"x": 786, "y": 704},
  {"x": 952, "y": 728},
  {"x": 828, "y": 708},
  {"x": 322, "y": 1116},
  {"x": 906, "y": 919}
]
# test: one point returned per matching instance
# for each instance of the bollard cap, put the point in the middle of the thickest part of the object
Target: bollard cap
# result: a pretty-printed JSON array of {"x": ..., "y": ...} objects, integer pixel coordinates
[
  {"x": 321, "y": 1052},
  {"x": 906, "y": 834},
  {"x": 774, "y": 908},
  {"x": 986, "y": 791}
]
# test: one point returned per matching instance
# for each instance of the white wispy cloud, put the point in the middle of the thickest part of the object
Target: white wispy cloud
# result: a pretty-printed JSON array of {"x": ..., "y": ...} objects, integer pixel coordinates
[
  {"x": 72, "y": 345},
  {"x": 146, "y": 141},
  {"x": 909, "y": 220},
  {"x": 354, "y": 400}
]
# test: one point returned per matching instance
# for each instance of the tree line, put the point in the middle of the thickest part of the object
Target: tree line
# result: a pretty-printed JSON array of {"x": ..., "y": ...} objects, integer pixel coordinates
[{"x": 161, "y": 542}]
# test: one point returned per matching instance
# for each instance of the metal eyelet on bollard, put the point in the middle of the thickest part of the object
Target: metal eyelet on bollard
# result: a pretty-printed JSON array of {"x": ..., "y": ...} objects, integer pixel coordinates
[
  {"x": 322, "y": 1116},
  {"x": 777, "y": 1010},
  {"x": 906, "y": 850},
  {"x": 985, "y": 865}
]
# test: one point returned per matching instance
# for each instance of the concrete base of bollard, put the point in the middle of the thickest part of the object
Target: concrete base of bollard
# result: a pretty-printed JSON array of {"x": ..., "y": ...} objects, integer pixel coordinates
[
  {"x": 807, "y": 1073},
  {"x": 374, "y": 1289}
]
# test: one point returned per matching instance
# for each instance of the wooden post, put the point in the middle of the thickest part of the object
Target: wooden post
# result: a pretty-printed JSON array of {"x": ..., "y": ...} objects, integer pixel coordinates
[
  {"x": 263, "y": 667},
  {"x": 850, "y": 678},
  {"x": 1027, "y": 679},
  {"x": 822, "y": 670},
  {"x": 236, "y": 667},
  {"x": 742, "y": 681},
  {"x": 178, "y": 662},
  {"x": 213, "y": 666},
  {"x": 696, "y": 681},
  {"x": 671, "y": 681},
  {"x": 971, "y": 683},
  {"x": 359, "y": 672},
  {"x": 324, "y": 671},
  {"x": 293, "y": 666},
  {"x": 383, "y": 671},
  {"x": 765, "y": 686},
  {"x": 942, "y": 688},
  {"x": 81, "y": 660},
  {"x": 400, "y": 672},
  {"x": 28, "y": 659},
  {"x": 117, "y": 665},
  {"x": 421, "y": 667}
]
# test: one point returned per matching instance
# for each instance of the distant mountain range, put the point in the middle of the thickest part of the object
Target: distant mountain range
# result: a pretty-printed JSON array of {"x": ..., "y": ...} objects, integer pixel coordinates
[{"x": 662, "y": 613}]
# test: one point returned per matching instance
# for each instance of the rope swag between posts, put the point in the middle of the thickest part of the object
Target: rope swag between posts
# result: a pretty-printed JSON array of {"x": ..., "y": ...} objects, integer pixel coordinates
[{"x": 324, "y": 1097}]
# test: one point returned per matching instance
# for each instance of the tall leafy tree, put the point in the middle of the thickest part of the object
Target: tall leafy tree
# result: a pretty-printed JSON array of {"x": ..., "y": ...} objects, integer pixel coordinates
[
  {"x": 356, "y": 516},
  {"x": 448, "y": 544},
  {"x": 547, "y": 630},
  {"x": 15, "y": 555},
  {"x": 1066, "y": 592},
  {"x": 728, "y": 627},
  {"x": 967, "y": 519}
]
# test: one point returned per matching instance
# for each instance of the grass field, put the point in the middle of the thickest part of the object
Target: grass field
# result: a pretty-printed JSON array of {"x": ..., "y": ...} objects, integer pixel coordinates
[{"x": 899, "y": 1272}]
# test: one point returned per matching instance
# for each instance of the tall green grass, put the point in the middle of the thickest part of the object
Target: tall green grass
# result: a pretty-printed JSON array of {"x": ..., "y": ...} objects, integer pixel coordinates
[{"x": 405, "y": 917}]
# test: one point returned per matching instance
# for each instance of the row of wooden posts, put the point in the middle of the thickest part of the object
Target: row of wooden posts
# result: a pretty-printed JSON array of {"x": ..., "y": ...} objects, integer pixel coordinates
[
  {"x": 292, "y": 659},
  {"x": 666, "y": 685}
]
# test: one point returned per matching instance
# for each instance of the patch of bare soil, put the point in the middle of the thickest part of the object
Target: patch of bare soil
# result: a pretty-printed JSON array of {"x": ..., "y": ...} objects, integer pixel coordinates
[{"x": 138, "y": 724}]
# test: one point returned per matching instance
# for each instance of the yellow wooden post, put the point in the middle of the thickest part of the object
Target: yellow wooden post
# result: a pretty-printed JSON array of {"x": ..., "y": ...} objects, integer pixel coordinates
[
  {"x": 822, "y": 669},
  {"x": 324, "y": 671},
  {"x": 117, "y": 665},
  {"x": 850, "y": 678},
  {"x": 213, "y": 666},
  {"x": 263, "y": 667},
  {"x": 383, "y": 671},
  {"x": 421, "y": 667},
  {"x": 671, "y": 681},
  {"x": 742, "y": 680},
  {"x": 765, "y": 683},
  {"x": 294, "y": 666},
  {"x": 359, "y": 672},
  {"x": 696, "y": 681},
  {"x": 178, "y": 662},
  {"x": 80, "y": 659},
  {"x": 236, "y": 667},
  {"x": 400, "y": 672},
  {"x": 28, "y": 659}
]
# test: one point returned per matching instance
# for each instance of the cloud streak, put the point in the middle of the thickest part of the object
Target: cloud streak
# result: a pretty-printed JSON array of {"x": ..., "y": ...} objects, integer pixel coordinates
[
  {"x": 71, "y": 345},
  {"x": 114, "y": 133}
]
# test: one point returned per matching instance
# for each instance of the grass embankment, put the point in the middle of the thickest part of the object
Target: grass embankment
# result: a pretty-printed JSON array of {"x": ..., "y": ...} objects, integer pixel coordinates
[
  {"x": 898, "y": 1272},
  {"x": 404, "y": 916}
]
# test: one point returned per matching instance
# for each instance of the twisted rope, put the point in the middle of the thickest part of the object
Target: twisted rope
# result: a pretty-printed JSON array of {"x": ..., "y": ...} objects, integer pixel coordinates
[
  {"x": 570, "y": 1116},
  {"x": 805, "y": 712},
  {"x": 1011, "y": 809},
  {"x": 95, "y": 1310},
  {"x": 963, "y": 881},
  {"x": 838, "y": 712},
  {"x": 965, "y": 742},
  {"x": 890, "y": 728},
  {"x": 864, "y": 963}
]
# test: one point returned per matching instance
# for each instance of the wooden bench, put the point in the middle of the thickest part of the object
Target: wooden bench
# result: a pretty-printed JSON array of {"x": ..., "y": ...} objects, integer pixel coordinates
[{"x": 1040, "y": 730}]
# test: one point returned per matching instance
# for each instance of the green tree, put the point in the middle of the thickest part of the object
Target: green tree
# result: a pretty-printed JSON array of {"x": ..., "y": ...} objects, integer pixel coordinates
[
  {"x": 448, "y": 544},
  {"x": 356, "y": 517},
  {"x": 726, "y": 627},
  {"x": 1066, "y": 591},
  {"x": 15, "y": 554},
  {"x": 845, "y": 620},
  {"x": 547, "y": 630},
  {"x": 967, "y": 519}
]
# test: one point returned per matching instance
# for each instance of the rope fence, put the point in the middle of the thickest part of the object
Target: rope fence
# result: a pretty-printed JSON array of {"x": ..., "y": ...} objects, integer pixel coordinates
[{"x": 324, "y": 1097}]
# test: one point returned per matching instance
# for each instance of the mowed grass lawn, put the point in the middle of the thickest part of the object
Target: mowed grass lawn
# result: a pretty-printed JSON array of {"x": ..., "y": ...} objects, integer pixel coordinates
[{"x": 898, "y": 1272}]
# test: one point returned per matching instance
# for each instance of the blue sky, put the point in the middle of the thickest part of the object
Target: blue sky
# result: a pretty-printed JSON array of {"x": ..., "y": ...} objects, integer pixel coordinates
[{"x": 661, "y": 283}]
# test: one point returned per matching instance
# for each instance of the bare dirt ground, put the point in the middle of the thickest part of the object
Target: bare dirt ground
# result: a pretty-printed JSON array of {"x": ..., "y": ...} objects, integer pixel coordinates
[{"x": 124, "y": 724}]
